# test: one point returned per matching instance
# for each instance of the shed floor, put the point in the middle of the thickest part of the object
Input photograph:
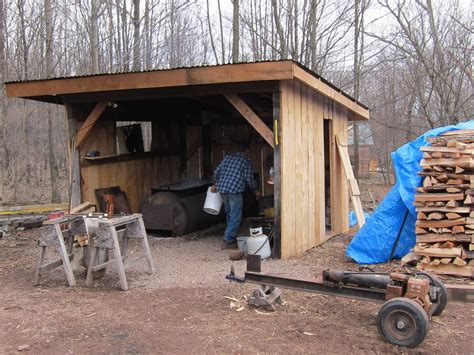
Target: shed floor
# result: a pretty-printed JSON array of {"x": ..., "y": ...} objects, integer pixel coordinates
[{"x": 188, "y": 307}]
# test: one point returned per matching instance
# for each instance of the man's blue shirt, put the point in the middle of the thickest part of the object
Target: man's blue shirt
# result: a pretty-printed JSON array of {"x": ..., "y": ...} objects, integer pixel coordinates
[{"x": 232, "y": 174}]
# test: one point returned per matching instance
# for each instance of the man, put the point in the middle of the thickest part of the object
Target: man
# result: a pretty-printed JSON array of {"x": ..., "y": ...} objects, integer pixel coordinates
[{"x": 230, "y": 178}]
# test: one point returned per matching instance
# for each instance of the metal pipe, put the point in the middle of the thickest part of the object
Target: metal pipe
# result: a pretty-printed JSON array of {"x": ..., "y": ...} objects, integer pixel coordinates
[
  {"x": 313, "y": 286},
  {"x": 361, "y": 279}
]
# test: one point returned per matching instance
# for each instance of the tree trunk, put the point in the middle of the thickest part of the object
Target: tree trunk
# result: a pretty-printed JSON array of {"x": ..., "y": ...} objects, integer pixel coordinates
[
  {"x": 148, "y": 36},
  {"x": 3, "y": 108},
  {"x": 279, "y": 28},
  {"x": 53, "y": 164},
  {"x": 235, "y": 32},
  {"x": 94, "y": 36},
  {"x": 222, "y": 31},
  {"x": 357, "y": 50},
  {"x": 136, "y": 35}
]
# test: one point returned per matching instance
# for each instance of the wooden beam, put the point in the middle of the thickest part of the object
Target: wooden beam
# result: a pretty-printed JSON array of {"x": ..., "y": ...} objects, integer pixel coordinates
[
  {"x": 361, "y": 113},
  {"x": 277, "y": 175},
  {"x": 89, "y": 123},
  {"x": 353, "y": 187},
  {"x": 234, "y": 73},
  {"x": 206, "y": 145},
  {"x": 252, "y": 118}
]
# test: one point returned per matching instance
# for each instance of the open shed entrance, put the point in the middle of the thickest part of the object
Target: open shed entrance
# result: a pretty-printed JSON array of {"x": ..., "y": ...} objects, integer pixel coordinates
[{"x": 173, "y": 145}]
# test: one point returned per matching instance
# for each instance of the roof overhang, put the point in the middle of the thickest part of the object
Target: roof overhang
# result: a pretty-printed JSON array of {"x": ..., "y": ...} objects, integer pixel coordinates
[{"x": 54, "y": 90}]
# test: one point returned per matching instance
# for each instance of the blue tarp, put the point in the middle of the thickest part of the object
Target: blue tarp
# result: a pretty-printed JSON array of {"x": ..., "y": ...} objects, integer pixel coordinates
[
  {"x": 353, "y": 218},
  {"x": 374, "y": 241}
]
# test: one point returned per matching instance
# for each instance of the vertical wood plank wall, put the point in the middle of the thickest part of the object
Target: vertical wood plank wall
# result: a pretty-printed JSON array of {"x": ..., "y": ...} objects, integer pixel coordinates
[
  {"x": 302, "y": 169},
  {"x": 135, "y": 177}
]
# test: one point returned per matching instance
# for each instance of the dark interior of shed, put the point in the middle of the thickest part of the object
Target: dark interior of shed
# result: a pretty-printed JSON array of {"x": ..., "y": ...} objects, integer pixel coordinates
[{"x": 199, "y": 131}]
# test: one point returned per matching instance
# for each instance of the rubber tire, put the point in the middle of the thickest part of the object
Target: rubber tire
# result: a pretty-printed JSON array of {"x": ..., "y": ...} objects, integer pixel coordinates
[
  {"x": 443, "y": 294},
  {"x": 410, "y": 309}
]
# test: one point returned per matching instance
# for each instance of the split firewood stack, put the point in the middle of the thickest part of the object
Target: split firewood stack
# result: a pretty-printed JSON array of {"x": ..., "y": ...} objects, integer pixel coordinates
[{"x": 445, "y": 205}]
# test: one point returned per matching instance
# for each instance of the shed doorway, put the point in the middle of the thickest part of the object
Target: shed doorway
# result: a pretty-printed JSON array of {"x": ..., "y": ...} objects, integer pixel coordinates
[{"x": 327, "y": 175}]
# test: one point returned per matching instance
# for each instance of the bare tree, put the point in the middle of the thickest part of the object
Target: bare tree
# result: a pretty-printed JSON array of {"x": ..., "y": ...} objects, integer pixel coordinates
[
  {"x": 3, "y": 107},
  {"x": 279, "y": 28},
  {"x": 94, "y": 35},
  {"x": 235, "y": 31},
  {"x": 136, "y": 35},
  {"x": 435, "y": 54}
]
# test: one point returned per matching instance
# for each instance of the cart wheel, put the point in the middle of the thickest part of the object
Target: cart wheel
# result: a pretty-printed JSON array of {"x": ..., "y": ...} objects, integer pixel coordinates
[
  {"x": 402, "y": 321},
  {"x": 442, "y": 295}
]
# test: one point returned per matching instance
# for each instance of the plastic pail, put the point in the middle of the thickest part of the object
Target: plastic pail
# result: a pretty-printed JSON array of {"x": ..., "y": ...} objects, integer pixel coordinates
[
  {"x": 242, "y": 244},
  {"x": 259, "y": 246},
  {"x": 213, "y": 202}
]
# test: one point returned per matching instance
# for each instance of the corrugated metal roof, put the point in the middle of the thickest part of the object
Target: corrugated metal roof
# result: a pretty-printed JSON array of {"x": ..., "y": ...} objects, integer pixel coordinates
[
  {"x": 191, "y": 67},
  {"x": 146, "y": 71}
]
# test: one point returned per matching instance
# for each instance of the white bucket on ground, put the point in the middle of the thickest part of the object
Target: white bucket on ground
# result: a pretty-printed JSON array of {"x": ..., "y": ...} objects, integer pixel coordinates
[
  {"x": 213, "y": 202},
  {"x": 242, "y": 244},
  {"x": 259, "y": 245}
]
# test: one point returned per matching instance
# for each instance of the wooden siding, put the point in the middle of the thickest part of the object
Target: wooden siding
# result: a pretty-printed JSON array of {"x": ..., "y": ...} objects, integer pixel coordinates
[
  {"x": 302, "y": 169},
  {"x": 135, "y": 177},
  {"x": 303, "y": 223}
]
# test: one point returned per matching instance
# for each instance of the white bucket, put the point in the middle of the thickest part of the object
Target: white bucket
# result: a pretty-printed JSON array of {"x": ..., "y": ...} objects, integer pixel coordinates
[
  {"x": 242, "y": 244},
  {"x": 213, "y": 202},
  {"x": 259, "y": 246}
]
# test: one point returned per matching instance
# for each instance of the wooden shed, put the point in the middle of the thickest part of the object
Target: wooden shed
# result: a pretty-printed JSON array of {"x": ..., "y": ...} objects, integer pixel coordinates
[{"x": 288, "y": 114}]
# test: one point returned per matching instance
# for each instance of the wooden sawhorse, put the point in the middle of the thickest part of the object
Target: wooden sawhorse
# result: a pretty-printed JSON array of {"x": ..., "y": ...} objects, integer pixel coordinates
[
  {"x": 53, "y": 236},
  {"x": 106, "y": 237}
]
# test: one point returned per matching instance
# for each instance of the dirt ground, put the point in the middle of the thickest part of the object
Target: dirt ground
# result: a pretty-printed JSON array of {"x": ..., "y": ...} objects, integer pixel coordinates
[{"x": 188, "y": 307}]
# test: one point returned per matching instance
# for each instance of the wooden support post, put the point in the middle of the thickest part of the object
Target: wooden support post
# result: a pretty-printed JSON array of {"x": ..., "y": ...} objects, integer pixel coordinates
[
  {"x": 75, "y": 170},
  {"x": 183, "y": 149},
  {"x": 353, "y": 187},
  {"x": 89, "y": 123},
  {"x": 252, "y": 118},
  {"x": 277, "y": 175},
  {"x": 206, "y": 146}
]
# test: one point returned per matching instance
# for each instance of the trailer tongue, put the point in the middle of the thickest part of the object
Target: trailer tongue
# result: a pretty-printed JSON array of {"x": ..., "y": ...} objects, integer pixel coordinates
[{"x": 409, "y": 298}]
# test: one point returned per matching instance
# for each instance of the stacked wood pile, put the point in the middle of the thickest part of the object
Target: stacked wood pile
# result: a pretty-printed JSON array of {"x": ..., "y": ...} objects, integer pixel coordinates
[{"x": 445, "y": 205}]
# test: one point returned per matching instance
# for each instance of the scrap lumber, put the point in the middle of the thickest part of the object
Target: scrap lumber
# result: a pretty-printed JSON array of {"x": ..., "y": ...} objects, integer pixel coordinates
[
  {"x": 352, "y": 182},
  {"x": 83, "y": 207},
  {"x": 16, "y": 210},
  {"x": 445, "y": 205}
]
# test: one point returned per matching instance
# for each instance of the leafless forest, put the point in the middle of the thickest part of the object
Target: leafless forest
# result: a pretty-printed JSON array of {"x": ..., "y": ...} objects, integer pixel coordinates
[{"x": 408, "y": 60}]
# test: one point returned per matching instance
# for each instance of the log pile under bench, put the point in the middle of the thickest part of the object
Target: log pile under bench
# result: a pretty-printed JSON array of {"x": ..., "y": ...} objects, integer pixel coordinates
[{"x": 445, "y": 205}]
